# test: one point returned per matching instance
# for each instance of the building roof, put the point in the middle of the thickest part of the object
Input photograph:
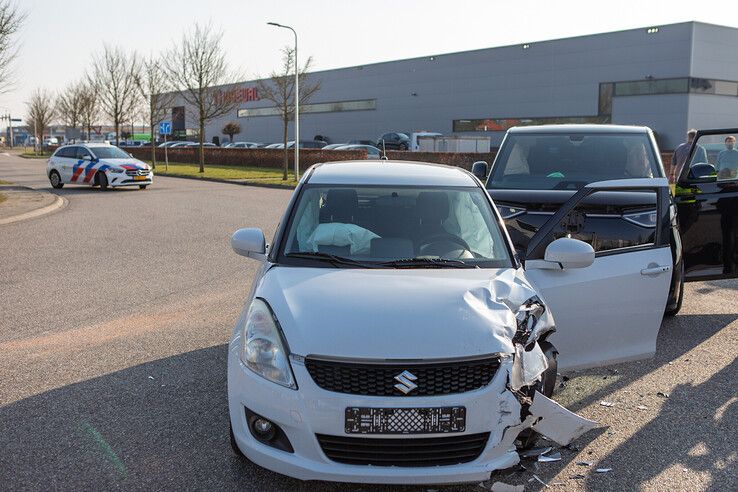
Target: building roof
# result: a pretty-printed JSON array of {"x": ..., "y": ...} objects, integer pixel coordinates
[{"x": 384, "y": 172}]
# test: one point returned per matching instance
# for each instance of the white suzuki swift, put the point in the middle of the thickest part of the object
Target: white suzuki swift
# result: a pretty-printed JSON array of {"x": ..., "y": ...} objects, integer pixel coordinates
[
  {"x": 393, "y": 335},
  {"x": 97, "y": 164}
]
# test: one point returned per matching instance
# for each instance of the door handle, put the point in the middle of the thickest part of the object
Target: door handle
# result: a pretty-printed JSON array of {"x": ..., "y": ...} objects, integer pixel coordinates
[{"x": 656, "y": 270}]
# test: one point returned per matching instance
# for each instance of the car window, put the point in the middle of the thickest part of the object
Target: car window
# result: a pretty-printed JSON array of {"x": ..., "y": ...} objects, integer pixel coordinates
[
  {"x": 383, "y": 223},
  {"x": 65, "y": 152},
  {"x": 715, "y": 157},
  {"x": 80, "y": 152},
  {"x": 565, "y": 162},
  {"x": 110, "y": 152}
]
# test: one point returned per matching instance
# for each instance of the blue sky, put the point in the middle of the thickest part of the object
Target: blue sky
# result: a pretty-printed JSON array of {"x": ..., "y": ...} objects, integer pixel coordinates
[{"x": 59, "y": 37}]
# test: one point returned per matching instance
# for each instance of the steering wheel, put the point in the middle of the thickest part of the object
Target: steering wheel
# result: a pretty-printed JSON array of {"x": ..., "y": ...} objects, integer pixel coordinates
[{"x": 442, "y": 244}]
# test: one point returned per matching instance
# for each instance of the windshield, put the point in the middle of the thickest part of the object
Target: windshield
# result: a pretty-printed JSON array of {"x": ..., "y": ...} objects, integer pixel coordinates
[
  {"x": 371, "y": 225},
  {"x": 109, "y": 153},
  {"x": 564, "y": 162}
]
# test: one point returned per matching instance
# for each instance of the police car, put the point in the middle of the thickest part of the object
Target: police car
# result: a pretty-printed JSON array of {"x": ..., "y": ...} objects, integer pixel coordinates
[{"x": 97, "y": 164}]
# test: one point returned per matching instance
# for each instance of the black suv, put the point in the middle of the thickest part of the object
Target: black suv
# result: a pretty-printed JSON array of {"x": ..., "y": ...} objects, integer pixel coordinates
[
  {"x": 538, "y": 168},
  {"x": 393, "y": 141}
]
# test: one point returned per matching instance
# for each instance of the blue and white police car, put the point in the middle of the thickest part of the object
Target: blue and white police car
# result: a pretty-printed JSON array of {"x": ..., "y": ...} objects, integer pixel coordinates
[{"x": 97, "y": 164}]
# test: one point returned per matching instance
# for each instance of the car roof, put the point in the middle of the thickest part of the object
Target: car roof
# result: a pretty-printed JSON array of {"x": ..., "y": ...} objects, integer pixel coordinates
[
  {"x": 591, "y": 128},
  {"x": 386, "y": 172}
]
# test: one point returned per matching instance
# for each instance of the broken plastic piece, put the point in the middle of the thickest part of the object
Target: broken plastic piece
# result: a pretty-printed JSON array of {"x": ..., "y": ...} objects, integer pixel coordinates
[
  {"x": 662, "y": 395},
  {"x": 504, "y": 487},
  {"x": 556, "y": 422},
  {"x": 642, "y": 407},
  {"x": 533, "y": 452},
  {"x": 606, "y": 403},
  {"x": 585, "y": 463},
  {"x": 547, "y": 458},
  {"x": 603, "y": 470},
  {"x": 578, "y": 476},
  {"x": 544, "y": 483}
]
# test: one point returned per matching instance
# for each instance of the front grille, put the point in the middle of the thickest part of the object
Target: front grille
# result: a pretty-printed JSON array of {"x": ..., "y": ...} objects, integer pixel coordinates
[
  {"x": 433, "y": 451},
  {"x": 379, "y": 379},
  {"x": 137, "y": 172}
]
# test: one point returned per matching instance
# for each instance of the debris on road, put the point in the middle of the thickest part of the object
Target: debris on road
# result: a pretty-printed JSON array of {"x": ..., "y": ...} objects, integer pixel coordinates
[
  {"x": 642, "y": 407},
  {"x": 578, "y": 476},
  {"x": 585, "y": 463},
  {"x": 662, "y": 395},
  {"x": 541, "y": 481},
  {"x": 606, "y": 403},
  {"x": 603, "y": 470},
  {"x": 534, "y": 452},
  {"x": 547, "y": 458}
]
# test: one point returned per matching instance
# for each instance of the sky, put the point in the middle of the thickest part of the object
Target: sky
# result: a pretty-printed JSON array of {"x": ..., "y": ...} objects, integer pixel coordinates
[{"x": 59, "y": 37}]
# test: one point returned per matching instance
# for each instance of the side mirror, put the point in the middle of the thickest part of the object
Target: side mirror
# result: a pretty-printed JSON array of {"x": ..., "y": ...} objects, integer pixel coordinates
[
  {"x": 249, "y": 242},
  {"x": 702, "y": 170},
  {"x": 480, "y": 169},
  {"x": 564, "y": 253}
]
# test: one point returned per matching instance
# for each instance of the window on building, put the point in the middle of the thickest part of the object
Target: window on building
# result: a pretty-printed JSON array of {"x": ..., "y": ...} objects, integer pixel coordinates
[
  {"x": 652, "y": 86},
  {"x": 328, "y": 107}
]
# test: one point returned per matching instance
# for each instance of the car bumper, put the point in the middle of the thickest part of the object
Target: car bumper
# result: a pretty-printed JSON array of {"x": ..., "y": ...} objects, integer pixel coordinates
[
  {"x": 116, "y": 181},
  {"x": 310, "y": 410}
]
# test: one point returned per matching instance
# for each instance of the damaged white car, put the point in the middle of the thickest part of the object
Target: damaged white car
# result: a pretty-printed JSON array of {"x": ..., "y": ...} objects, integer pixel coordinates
[{"x": 392, "y": 335}]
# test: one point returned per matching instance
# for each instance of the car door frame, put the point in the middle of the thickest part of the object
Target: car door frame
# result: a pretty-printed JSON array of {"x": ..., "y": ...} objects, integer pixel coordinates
[
  {"x": 699, "y": 196},
  {"x": 635, "y": 342}
]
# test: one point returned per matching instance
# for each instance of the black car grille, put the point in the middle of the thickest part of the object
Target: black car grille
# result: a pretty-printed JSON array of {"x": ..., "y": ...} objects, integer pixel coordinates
[
  {"x": 433, "y": 451},
  {"x": 137, "y": 172},
  {"x": 379, "y": 379}
]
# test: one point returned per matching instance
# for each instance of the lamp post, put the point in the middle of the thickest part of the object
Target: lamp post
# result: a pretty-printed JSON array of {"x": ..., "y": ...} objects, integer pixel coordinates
[{"x": 297, "y": 104}]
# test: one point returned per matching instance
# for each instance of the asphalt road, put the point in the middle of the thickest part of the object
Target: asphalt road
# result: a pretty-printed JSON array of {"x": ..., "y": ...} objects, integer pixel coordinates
[{"x": 116, "y": 310}]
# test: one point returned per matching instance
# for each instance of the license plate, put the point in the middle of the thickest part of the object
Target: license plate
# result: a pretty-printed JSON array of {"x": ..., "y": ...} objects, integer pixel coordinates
[
  {"x": 362, "y": 420},
  {"x": 140, "y": 178}
]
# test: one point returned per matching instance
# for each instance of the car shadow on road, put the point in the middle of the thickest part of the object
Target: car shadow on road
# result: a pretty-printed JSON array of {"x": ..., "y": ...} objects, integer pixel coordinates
[{"x": 158, "y": 425}]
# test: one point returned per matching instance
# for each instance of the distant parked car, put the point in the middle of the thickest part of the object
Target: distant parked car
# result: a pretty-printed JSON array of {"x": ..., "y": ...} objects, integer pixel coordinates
[
  {"x": 241, "y": 145},
  {"x": 311, "y": 144},
  {"x": 194, "y": 145},
  {"x": 372, "y": 151},
  {"x": 179, "y": 145},
  {"x": 394, "y": 141},
  {"x": 335, "y": 146},
  {"x": 361, "y": 142},
  {"x": 168, "y": 144},
  {"x": 275, "y": 146}
]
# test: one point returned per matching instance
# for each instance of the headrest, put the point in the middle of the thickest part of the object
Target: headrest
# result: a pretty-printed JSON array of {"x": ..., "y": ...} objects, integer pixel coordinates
[
  {"x": 341, "y": 204},
  {"x": 432, "y": 206}
]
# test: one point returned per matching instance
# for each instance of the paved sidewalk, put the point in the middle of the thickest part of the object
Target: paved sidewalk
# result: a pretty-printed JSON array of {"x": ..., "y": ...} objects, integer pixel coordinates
[{"x": 24, "y": 203}]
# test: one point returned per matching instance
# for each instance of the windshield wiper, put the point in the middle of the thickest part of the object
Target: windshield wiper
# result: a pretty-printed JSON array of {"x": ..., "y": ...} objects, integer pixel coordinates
[
  {"x": 427, "y": 262},
  {"x": 333, "y": 259}
]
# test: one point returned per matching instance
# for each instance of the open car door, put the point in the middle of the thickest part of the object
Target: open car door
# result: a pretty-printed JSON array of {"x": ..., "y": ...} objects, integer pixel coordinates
[
  {"x": 706, "y": 196},
  {"x": 610, "y": 311}
]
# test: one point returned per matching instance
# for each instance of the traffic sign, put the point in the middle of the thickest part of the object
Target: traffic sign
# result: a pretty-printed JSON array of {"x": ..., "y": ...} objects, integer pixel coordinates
[{"x": 165, "y": 128}]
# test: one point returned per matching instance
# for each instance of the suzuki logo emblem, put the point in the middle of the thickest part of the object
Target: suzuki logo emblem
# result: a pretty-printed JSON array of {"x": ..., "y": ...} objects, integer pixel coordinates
[{"x": 406, "y": 384}]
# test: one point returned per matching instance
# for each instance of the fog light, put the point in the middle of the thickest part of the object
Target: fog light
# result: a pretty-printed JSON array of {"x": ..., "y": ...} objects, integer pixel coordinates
[{"x": 263, "y": 428}]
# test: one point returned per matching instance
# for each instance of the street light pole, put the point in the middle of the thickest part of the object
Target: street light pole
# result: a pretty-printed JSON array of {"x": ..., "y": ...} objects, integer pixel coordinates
[{"x": 297, "y": 103}]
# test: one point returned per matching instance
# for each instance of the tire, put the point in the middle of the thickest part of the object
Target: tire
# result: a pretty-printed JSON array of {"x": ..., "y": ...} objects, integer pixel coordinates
[
  {"x": 680, "y": 297},
  {"x": 55, "y": 180},
  {"x": 142, "y": 187},
  {"x": 402, "y": 146},
  {"x": 528, "y": 437},
  {"x": 102, "y": 180}
]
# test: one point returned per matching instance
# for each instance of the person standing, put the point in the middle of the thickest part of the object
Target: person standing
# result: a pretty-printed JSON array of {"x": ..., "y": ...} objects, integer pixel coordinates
[
  {"x": 682, "y": 153},
  {"x": 726, "y": 163}
]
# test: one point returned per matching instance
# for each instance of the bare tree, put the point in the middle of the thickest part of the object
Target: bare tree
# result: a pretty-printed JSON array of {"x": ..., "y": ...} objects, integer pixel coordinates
[
  {"x": 114, "y": 74},
  {"x": 279, "y": 88},
  {"x": 195, "y": 66},
  {"x": 11, "y": 19},
  {"x": 89, "y": 108},
  {"x": 41, "y": 112},
  {"x": 156, "y": 88},
  {"x": 69, "y": 105},
  {"x": 231, "y": 128}
]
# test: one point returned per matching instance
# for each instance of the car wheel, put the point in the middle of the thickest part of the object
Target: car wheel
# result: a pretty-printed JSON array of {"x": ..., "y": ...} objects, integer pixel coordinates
[
  {"x": 143, "y": 187},
  {"x": 102, "y": 180},
  {"x": 528, "y": 437},
  {"x": 403, "y": 146},
  {"x": 679, "y": 297},
  {"x": 55, "y": 180}
]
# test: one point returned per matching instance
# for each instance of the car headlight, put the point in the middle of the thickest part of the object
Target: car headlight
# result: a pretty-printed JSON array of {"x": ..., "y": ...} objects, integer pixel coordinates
[
  {"x": 116, "y": 170},
  {"x": 262, "y": 348}
]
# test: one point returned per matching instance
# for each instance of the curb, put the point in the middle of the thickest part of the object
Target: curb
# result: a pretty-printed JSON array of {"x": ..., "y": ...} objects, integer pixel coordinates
[
  {"x": 228, "y": 181},
  {"x": 59, "y": 202}
]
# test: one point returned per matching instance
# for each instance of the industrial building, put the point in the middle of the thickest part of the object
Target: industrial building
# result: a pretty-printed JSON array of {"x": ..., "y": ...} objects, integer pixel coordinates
[{"x": 670, "y": 78}]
